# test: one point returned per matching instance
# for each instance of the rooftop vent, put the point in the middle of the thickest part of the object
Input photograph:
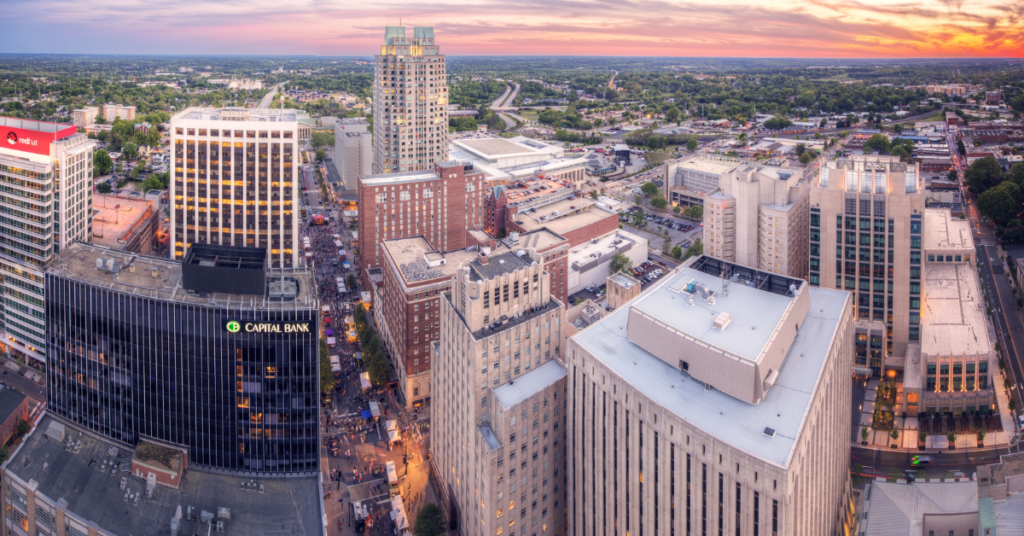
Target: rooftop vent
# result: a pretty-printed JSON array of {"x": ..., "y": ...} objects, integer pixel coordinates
[
  {"x": 769, "y": 432},
  {"x": 722, "y": 321}
]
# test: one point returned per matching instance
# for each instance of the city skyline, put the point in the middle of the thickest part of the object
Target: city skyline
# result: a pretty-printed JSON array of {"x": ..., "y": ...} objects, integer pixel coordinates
[{"x": 735, "y": 28}]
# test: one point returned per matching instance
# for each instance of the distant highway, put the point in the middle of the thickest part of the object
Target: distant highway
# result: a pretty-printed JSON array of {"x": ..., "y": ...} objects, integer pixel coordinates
[
  {"x": 265, "y": 101},
  {"x": 497, "y": 103},
  {"x": 505, "y": 102}
]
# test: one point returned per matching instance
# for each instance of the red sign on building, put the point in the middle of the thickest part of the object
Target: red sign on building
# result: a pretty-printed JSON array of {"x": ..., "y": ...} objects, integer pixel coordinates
[{"x": 33, "y": 141}]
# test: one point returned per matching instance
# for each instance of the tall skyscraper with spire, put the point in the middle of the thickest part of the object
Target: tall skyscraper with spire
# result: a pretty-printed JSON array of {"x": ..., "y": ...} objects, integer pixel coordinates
[{"x": 410, "y": 102}]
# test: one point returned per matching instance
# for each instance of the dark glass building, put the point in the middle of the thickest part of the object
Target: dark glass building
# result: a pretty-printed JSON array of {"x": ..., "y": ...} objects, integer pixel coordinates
[{"x": 217, "y": 354}]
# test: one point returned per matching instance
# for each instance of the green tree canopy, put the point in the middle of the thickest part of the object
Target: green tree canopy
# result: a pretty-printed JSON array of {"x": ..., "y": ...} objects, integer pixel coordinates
[
  {"x": 321, "y": 138},
  {"x": 649, "y": 189},
  {"x": 983, "y": 174},
  {"x": 658, "y": 201},
  {"x": 321, "y": 155},
  {"x": 998, "y": 204},
  {"x": 130, "y": 151},
  {"x": 326, "y": 374},
  {"x": 691, "y": 144},
  {"x": 620, "y": 263},
  {"x": 101, "y": 163},
  {"x": 696, "y": 249},
  {"x": 777, "y": 123},
  {"x": 103, "y": 188},
  {"x": 429, "y": 521}
]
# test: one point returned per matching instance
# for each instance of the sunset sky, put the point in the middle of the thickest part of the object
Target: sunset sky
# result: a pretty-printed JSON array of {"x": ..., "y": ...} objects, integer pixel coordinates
[{"x": 745, "y": 28}]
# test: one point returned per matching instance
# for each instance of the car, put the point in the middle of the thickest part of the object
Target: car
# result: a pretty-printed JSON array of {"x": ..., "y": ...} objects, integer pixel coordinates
[{"x": 918, "y": 461}]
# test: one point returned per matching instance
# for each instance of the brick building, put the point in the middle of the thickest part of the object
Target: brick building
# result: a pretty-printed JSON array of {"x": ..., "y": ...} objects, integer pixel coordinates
[
  {"x": 13, "y": 408},
  {"x": 439, "y": 204}
]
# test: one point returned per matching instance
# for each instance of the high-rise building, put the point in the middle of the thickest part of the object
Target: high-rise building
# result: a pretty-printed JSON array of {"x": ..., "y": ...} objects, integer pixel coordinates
[
  {"x": 85, "y": 117},
  {"x": 353, "y": 150},
  {"x": 867, "y": 223},
  {"x": 46, "y": 170},
  {"x": 410, "y": 102},
  {"x": 234, "y": 182},
  {"x": 441, "y": 203},
  {"x": 498, "y": 434},
  {"x": 758, "y": 217},
  {"x": 716, "y": 402},
  {"x": 118, "y": 111},
  {"x": 216, "y": 355},
  {"x": 688, "y": 181}
]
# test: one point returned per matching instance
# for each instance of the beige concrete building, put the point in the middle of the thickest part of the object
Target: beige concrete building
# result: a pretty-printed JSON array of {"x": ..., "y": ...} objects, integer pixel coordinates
[
  {"x": 353, "y": 150},
  {"x": 498, "y": 435},
  {"x": 410, "y": 102},
  {"x": 85, "y": 117},
  {"x": 758, "y": 217},
  {"x": 620, "y": 288},
  {"x": 234, "y": 182},
  {"x": 688, "y": 181},
  {"x": 866, "y": 228},
  {"x": 118, "y": 111},
  {"x": 949, "y": 371},
  {"x": 713, "y": 405}
]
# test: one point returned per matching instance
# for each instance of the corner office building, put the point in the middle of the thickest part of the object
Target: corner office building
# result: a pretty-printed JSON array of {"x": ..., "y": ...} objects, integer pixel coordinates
[
  {"x": 410, "y": 102},
  {"x": 46, "y": 204},
  {"x": 217, "y": 356},
  {"x": 716, "y": 402},
  {"x": 233, "y": 180}
]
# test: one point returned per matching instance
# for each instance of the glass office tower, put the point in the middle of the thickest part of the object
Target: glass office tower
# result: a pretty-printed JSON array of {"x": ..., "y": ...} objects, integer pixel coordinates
[{"x": 217, "y": 355}]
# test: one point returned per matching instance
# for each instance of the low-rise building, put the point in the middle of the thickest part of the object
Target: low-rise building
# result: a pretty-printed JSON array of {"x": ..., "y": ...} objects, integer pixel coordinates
[
  {"x": 14, "y": 408},
  {"x": 85, "y": 117},
  {"x": 125, "y": 223},
  {"x": 620, "y": 289},
  {"x": 590, "y": 262},
  {"x": 118, "y": 111}
]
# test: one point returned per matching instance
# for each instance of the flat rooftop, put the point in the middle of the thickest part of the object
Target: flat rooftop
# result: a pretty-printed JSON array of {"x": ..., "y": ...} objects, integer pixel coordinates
[
  {"x": 410, "y": 256},
  {"x": 943, "y": 231},
  {"x": 521, "y": 192},
  {"x": 515, "y": 392},
  {"x": 82, "y": 478},
  {"x": 726, "y": 418},
  {"x": 495, "y": 147},
  {"x": 710, "y": 165},
  {"x": 624, "y": 280},
  {"x": 399, "y": 178},
  {"x": 589, "y": 254},
  {"x": 61, "y": 130},
  {"x": 489, "y": 148},
  {"x": 159, "y": 278},
  {"x": 115, "y": 218},
  {"x": 237, "y": 115},
  {"x": 568, "y": 219},
  {"x": 953, "y": 316}
]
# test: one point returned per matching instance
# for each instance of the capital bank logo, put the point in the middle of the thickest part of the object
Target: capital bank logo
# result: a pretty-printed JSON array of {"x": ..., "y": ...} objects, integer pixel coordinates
[
  {"x": 12, "y": 138},
  {"x": 234, "y": 327}
]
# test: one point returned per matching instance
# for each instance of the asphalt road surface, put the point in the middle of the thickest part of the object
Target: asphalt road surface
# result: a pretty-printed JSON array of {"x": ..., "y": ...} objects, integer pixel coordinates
[
  {"x": 265, "y": 101},
  {"x": 28, "y": 387}
]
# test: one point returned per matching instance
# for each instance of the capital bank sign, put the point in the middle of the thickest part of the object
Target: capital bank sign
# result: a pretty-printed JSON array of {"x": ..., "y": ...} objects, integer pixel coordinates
[{"x": 241, "y": 326}]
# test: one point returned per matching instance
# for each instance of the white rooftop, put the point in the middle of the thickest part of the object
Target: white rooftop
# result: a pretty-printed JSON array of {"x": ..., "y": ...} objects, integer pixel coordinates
[
  {"x": 942, "y": 231},
  {"x": 899, "y": 509},
  {"x": 952, "y": 316},
  {"x": 522, "y": 388},
  {"x": 728, "y": 419}
]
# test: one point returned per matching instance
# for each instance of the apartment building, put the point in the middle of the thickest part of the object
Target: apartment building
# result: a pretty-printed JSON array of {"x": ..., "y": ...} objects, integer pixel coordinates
[
  {"x": 949, "y": 371},
  {"x": 85, "y": 117},
  {"x": 233, "y": 180},
  {"x": 353, "y": 150},
  {"x": 716, "y": 402},
  {"x": 758, "y": 217},
  {"x": 441, "y": 204},
  {"x": 410, "y": 102},
  {"x": 866, "y": 235},
  {"x": 46, "y": 170},
  {"x": 118, "y": 111},
  {"x": 498, "y": 435}
]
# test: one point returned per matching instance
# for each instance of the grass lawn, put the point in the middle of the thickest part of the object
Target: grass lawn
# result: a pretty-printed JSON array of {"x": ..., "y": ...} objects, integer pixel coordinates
[
  {"x": 937, "y": 116},
  {"x": 657, "y": 158},
  {"x": 531, "y": 115}
]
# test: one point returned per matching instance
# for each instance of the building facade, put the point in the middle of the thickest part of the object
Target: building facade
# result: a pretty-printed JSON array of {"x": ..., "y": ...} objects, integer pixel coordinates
[
  {"x": 85, "y": 117},
  {"x": 353, "y": 150},
  {"x": 712, "y": 406},
  {"x": 688, "y": 181},
  {"x": 759, "y": 217},
  {"x": 410, "y": 102},
  {"x": 234, "y": 181},
  {"x": 440, "y": 204},
  {"x": 217, "y": 355},
  {"x": 46, "y": 170},
  {"x": 866, "y": 229},
  {"x": 498, "y": 434},
  {"x": 118, "y": 111}
]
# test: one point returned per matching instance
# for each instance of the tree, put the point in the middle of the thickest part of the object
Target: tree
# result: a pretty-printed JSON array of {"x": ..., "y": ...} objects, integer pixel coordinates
[
  {"x": 863, "y": 434},
  {"x": 895, "y": 434},
  {"x": 695, "y": 250},
  {"x": 321, "y": 139},
  {"x": 691, "y": 144},
  {"x": 326, "y": 374},
  {"x": 981, "y": 435},
  {"x": 806, "y": 158},
  {"x": 637, "y": 200},
  {"x": 666, "y": 246},
  {"x": 983, "y": 174},
  {"x": 3, "y": 454},
  {"x": 694, "y": 211},
  {"x": 130, "y": 151},
  {"x": 960, "y": 147},
  {"x": 659, "y": 202},
  {"x": 777, "y": 123},
  {"x": 103, "y": 188},
  {"x": 638, "y": 218},
  {"x": 1016, "y": 174},
  {"x": 953, "y": 175},
  {"x": 801, "y": 148},
  {"x": 429, "y": 521},
  {"x": 351, "y": 281},
  {"x": 922, "y": 436},
  {"x": 593, "y": 194},
  {"x": 320, "y": 155},
  {"x": 877, "y": 142},
  {"x": 998, "y": 204},
  {"x": 677, "y": 252},
  {"x": 620, "y": 263},
  {"x": 23, "y": 427},
  {"x": 152, "y": 182},
  {"x": 649, "y": 189},
  {"x": 101, "y": 163},
  {"x": 951, "y": 437}
]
